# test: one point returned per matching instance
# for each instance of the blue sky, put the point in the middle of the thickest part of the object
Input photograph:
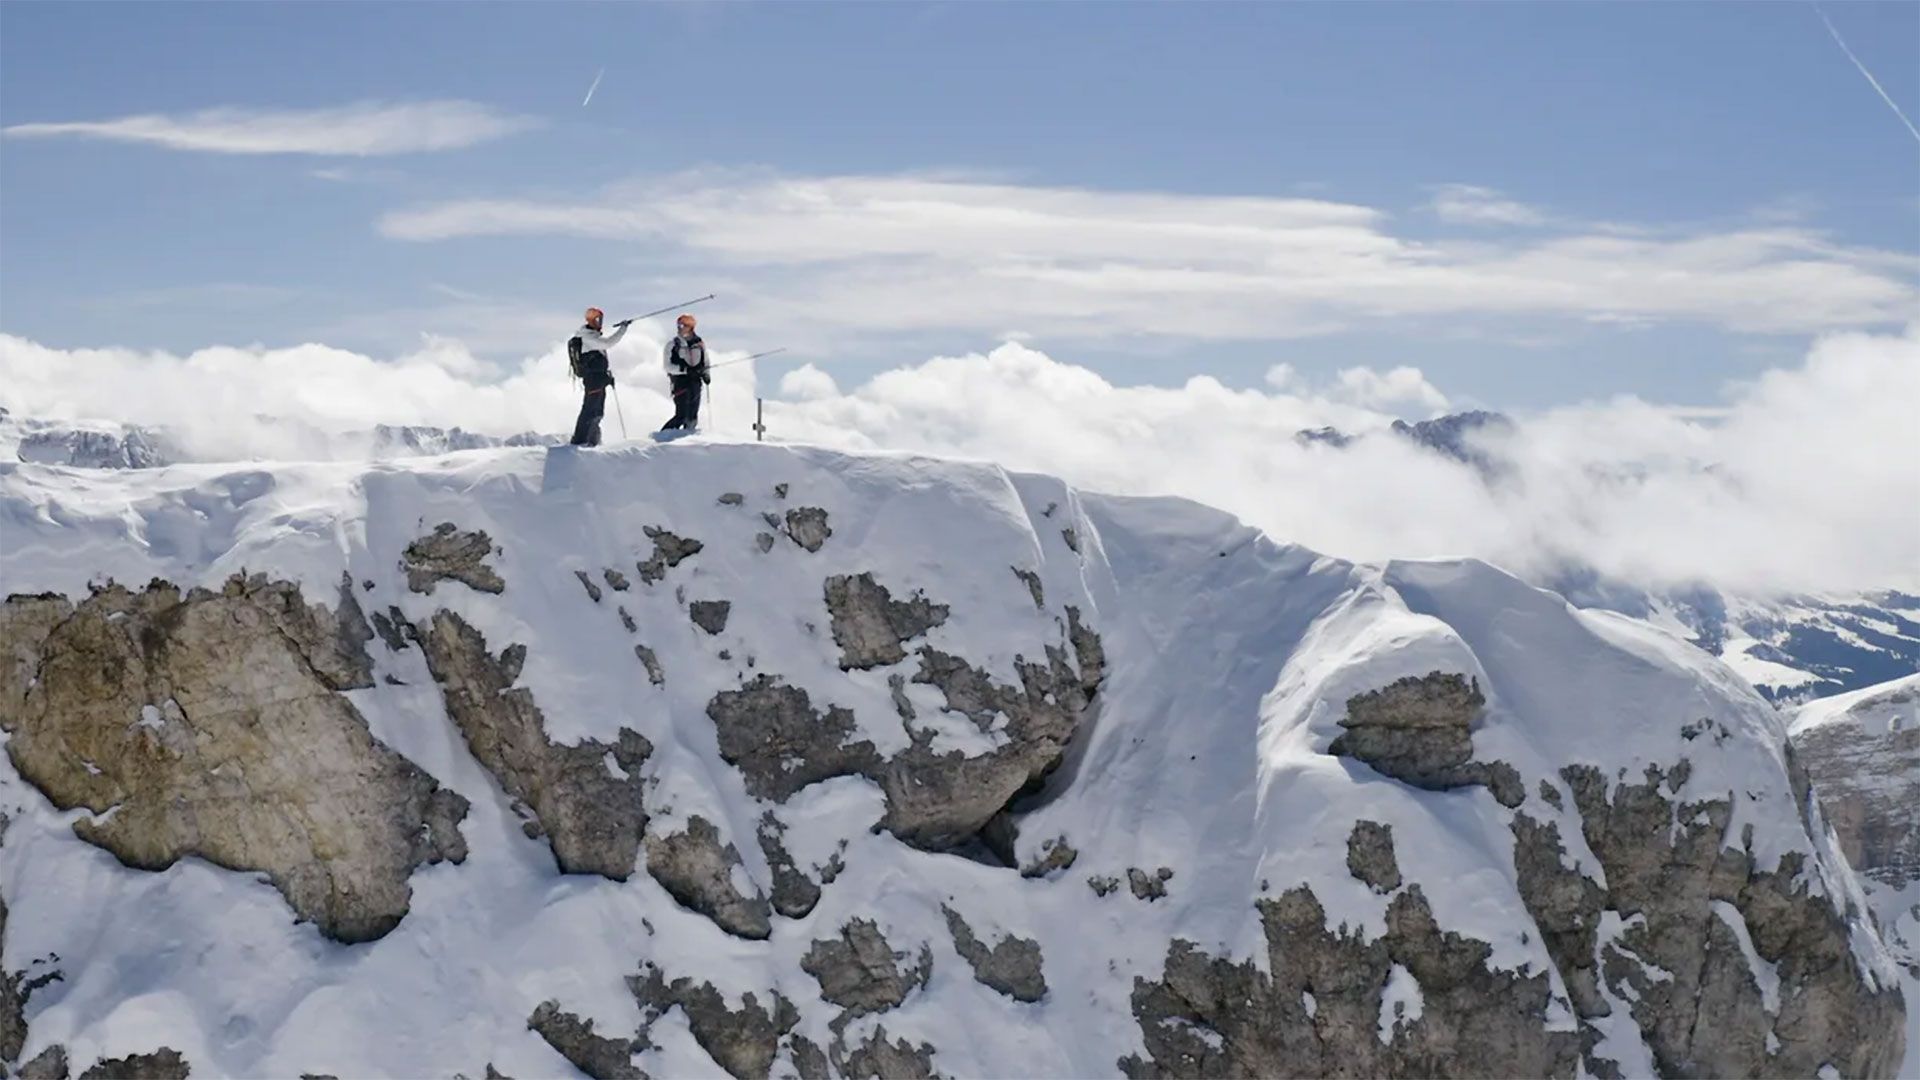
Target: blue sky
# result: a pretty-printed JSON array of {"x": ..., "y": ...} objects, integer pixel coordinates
[{"x": 1532, "y": 203}]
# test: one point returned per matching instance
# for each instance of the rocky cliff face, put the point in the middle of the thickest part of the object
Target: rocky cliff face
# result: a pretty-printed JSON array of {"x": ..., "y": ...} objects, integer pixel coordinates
[{"x": 762, "y": 761}]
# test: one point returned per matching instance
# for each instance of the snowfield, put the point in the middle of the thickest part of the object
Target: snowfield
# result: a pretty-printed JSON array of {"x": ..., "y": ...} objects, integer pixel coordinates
[{"x": 1201, "y": 784}]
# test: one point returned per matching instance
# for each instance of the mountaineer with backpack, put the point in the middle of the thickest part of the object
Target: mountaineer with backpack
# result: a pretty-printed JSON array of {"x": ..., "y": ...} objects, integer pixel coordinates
[
  {"x": 587, "y": 351},
  {"x": 686, "y": 361}
]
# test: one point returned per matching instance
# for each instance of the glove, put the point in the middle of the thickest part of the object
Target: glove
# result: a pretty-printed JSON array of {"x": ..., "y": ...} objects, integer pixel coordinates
[
  {"x": 622, "y": 322},
  {"x": 706, "y": 378}
]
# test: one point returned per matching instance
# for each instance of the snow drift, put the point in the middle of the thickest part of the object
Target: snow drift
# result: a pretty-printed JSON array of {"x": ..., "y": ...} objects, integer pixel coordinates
[{"x": 706, "y": 759}]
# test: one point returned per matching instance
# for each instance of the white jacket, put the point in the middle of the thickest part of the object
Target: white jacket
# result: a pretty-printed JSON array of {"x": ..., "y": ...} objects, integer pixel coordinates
[
  {"x": 592, "y": 340},
  {"x": 685, "y": 357}
]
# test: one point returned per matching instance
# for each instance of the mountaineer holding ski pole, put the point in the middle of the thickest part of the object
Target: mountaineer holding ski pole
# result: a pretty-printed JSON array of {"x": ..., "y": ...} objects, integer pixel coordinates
[
  {"x": 587, "y": 350},
  {"x": 686, "y": 361}
]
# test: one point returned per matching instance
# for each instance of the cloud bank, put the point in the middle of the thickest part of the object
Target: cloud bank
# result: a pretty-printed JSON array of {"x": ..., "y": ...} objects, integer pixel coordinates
[
  {"x": 920, "y": 254},
  {"x": 1800, "y": 481},
  {"x": 365, "y": 129}
]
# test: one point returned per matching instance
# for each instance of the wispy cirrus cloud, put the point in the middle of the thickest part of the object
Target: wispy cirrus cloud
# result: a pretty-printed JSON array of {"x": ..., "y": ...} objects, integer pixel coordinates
[
  {"x": 363, "y": 129},
  {"x": 1470, "y": 204},
  {"x": 920, "y": 254}
]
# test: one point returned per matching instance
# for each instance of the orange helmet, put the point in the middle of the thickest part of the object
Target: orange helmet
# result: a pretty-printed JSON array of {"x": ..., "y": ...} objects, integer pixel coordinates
[
  {"x": 687, "y": 321},
  {"x": 594, "y": 315}
]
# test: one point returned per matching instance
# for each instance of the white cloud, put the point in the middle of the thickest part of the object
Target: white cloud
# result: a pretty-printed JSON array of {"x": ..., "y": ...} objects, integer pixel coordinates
[
  {"x": 1401, "y": 389},
  {"x": 827, "y": 256},
  {"x": 364, "y": 129},
  {"x": 1467, "y": 204},
  {"x": 1795, "y": 482}
]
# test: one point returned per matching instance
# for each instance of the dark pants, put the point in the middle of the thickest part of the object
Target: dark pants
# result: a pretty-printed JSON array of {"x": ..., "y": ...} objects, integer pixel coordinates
[
  {"x": 686, "y": 403},
  {"x": 586, "y": 430}
]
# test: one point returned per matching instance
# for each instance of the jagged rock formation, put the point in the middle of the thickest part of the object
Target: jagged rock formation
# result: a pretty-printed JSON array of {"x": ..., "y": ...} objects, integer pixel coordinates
[
  {"x": 589, "y": 810},
  {"x": 211, "y": 724},
  {"x": 1013, "y": 966},
  {"x": 860, "y": 972},
  {"x": 870, "y": 626},
  {"x": 807, "y": 526},
  {"x": 794, "y": 893},
  {"x": 598, "y": 1056},
  {"x": 1370, "y": 856},
  {"x": 669, "y": 551},
  {"x": 1419, "y": 730},
  {"x": 879, "y": 1059},
  {"x": 743, "y": 1041},
  {"x": 449, "y": 554},
  {"x": 1317, "y": 1008},
  {"x": 710, "y": 615},
  {"x": 162, "y": 1064},
  {"x": 1862, "y": 752},
  {"x": 697, "y": 870}
]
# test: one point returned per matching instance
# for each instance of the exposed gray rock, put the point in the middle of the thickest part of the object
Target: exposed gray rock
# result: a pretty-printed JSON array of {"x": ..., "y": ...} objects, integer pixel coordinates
[
  {"x": 1865, "y": 766},
  {"x": 1551, "y": 796},
  {"x": 668, "y": 552},
  {"x": 1055, "y": 854},
  {"x": 771, "y": 733},
  {"x": 16, "y": 989},
  {"x": 1012, "y": 966},
  {"x": 1370, "y": 856},
  {"x": 744, "y": 1041},
  {"x": 1209, "y": 1017},
  {"x": 163, "y": 1064},
  {"x": 710, "y": 615},
  {"x": 449, "y": 554},
  {"x": 807, "y": 526},
  {"x": 732, "y": 498},
  {"x": 592, "y": 817},
  {"x": 794, "y": 893},
  {"x": 626, "y": 620},
  {"x": 596, "y": 1055},
  {"x": 1419, "y": 730},
  {"x": 48, "y": 1064},
  {"x": 764, "y": 541},
  {"x": 878, "y": 1059},
  {"x": 779, "y": 491},
  {"x": 1103, "y": 885},
  {"x": 1032, "y": 581},
  {"x": 697, "y": 870},
  {"x": 616, "y": 580},
  {"x": 938, "y": 800},
  {"x": 593, "y": 591},
  {"x": 654, "y": 674},
  {"x": 897, "y": 689},
  {"x": 211, "y": 724},
  {"x": 808, "y": 1059},
  {"x": 393, "y": 629},
  {"x": 1087, "y": 650},
  {"x": 1148, "y": 886},
  {"x": 861, "y": 973},
  {"x": 1072, "y": 538},
  {"x": 870, "y": 626},
  {"x": 1679, "y": 882}
]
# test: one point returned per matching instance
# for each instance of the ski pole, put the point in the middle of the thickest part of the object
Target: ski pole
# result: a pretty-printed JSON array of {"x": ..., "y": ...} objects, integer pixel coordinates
[
  {"x": 618, "y": 411},
  {"x": 670, "y": 307},
  {"x": 755, "y": 356}
]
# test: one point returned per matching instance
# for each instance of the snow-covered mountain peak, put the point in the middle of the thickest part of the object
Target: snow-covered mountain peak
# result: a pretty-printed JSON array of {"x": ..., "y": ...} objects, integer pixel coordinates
[{"x": 705, "y": 757}]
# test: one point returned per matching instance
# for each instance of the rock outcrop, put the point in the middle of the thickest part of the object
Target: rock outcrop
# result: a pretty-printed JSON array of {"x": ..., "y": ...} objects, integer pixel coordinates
[
  {"x": 451, "y": 554},
  {"x": 1420, "y": 730},
  {"x": 1013, "y": 966},
  {"x": 162, "y": 1064},
  {"x": 697, "y": 870},
  {"x": 870, "y": 626},
  {"x": 1863, "y": 756},
  {"x": 860, "y": 972},
  {"x": 585, "y": 798},
  {"x": 596, "y": 1055},
  {"x": 743, "y": 1041},
  {"x": 212, "y": 724},
  {"x": 1316, "y": 1009}
]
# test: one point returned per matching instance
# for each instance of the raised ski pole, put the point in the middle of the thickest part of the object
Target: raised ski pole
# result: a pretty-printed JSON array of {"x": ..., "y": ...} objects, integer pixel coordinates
[
  {"x": 755, "y": 356},
  {"x": 670, "y": 307}
]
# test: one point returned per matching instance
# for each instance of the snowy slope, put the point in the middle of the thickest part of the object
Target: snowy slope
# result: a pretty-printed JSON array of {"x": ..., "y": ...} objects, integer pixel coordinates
[{"x": 1201, "y": 792}]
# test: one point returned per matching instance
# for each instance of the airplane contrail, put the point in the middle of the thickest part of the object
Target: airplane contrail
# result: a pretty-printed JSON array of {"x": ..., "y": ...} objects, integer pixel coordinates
[
  {"x": 1891, "y": 104},
  {"x": 603, "y": 71}
]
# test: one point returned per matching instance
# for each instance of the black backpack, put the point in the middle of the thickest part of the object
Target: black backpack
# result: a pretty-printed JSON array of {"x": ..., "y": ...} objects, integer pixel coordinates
[{"x": 573, "y": 356}]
